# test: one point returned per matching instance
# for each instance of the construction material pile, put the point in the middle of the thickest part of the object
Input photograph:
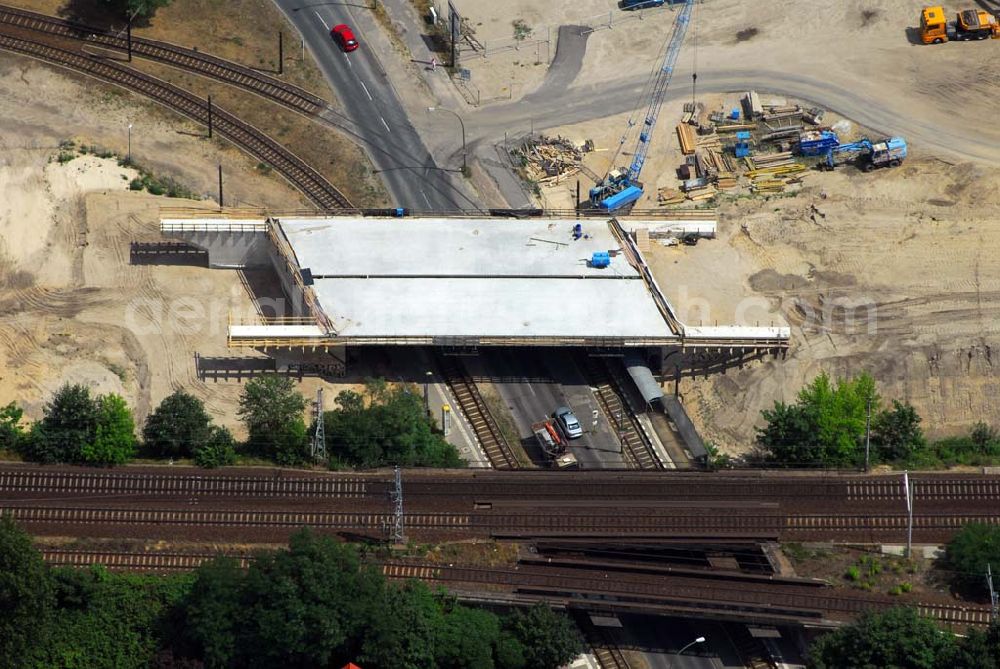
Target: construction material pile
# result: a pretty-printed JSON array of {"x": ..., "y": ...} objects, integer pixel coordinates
[
  {"x": 748, "y": 146},
  {"x": 547, "y": 159}
]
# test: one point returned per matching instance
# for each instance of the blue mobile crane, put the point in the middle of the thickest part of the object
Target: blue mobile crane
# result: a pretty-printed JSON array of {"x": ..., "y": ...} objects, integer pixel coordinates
[
  {"x": 621, "y": 189},
  {"x": 868, "y": 155}
]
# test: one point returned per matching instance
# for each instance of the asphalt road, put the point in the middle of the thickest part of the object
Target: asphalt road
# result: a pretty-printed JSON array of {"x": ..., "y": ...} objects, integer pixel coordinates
[
  {"x": 374, "y": 114},
  {"x": 585, "y": 103},
  {"x": 534, "y": 383},
  {"x": 660, "y": 639}
]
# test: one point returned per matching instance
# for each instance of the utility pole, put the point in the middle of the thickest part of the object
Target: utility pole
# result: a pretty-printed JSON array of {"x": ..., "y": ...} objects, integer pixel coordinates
[
  {"x": 397, "y": 535},
  {"x": 210, "y": 116},
  {"x": 868, "y": 433},
  {"x": 281, "y": 52},
  {"x": 993, "y": 593},
  {"x": 220, "y": 186},
  {"x": 319, "y": 437},
  {"x": 128, "y": 38},
  {"x": 908, "y": 490}
]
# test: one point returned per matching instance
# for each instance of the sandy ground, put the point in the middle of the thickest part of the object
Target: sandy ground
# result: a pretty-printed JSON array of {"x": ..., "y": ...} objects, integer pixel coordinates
[
  {"x": 888, "y": 272},
  {"x": 75, "y": 310}
]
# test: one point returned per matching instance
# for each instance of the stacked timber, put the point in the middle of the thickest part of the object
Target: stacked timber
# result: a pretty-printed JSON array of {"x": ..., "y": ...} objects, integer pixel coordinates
[
  {"x": 668, "y": 196},
  {"x": 687, "y": 138}
]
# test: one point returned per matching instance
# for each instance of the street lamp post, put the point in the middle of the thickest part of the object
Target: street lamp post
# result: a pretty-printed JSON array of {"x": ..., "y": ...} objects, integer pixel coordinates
[
  {"x": 128, "y": 155},
  {"x": 427, "y": 394},
  {"x": 462, "y": 123},
  {"x": 700, "y": 639}
]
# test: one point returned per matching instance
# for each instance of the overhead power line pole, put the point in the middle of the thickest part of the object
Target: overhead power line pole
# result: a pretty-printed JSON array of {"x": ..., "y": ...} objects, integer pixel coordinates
[
  {"x": 397, "y": 534},
  {"x": 319, "y": 436}
]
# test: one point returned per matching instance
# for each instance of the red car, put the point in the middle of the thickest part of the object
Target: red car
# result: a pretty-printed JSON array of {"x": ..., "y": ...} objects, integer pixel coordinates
[{"x": 344, "y": 37}]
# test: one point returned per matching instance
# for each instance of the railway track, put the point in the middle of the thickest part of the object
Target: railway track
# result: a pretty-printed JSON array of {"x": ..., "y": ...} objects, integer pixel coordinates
[
  {"x": 300, "y": 175},
  {"x": 133, "y": 561},
  {"x": 108, "y": 484},
  {"x": 637, "y": 448},
  {"x": 936, "y": 491},
  {"x": 156, "y": 520},
  {"x": 583, "y": 586},
  {"x": 241, "y": 76},
  {"x": 599, "y": 589},
  {"x": 472, "y": 406}
]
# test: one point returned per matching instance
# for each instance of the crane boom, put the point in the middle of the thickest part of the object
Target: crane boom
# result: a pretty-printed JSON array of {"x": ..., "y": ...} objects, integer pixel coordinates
[
  {"x": 663, "y": 78},
  {"x": 619, "y": 190}
]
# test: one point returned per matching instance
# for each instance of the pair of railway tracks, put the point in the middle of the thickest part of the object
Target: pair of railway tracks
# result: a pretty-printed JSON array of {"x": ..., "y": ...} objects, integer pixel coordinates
[
  {"x": 190, "y": 60},
  {"x": 591, "y": 585},
  {"x": 151, "y": 522},
  {"x": 459, "y": 487},
  {"x": 256, "y": 143},
  {"x": 637, "y": 447}
]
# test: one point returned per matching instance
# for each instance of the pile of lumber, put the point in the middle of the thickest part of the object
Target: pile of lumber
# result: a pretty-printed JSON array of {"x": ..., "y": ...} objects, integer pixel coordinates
[
  {"x": 783, "y": 112},
  {"x": 547, "y": 159},
  {"x": 715, "y": 159},
  {"x": 767, "y": 160},
  {"x": 701, "y": 193},
  {"x": 687, "y": 138},
  {"x": 667, "y": 196},
  {"x": 735, "y": 127}
]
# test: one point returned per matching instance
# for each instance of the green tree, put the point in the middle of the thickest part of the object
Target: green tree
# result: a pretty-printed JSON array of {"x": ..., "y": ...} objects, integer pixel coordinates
[
  {"x": 114, "y": 438},
  {"x": 404, "y": 639},
  {"x": 307, "y": 606},
  {"x": 213, "y": 611},
  {"x": 385, "y": 426},
  {"x": 219, "y": 450},
  {"x": 272, "y": 409},
  {"x": 825, "y": 426},
  {"x": 897, "y": 638},
  {"x": 466, "y": 639},
  {"x": 979, "y": 650},
  {"x": 178, "y": 426},
  {"x": 107, "y": 620},
  {"x": 896, "y": 433},
  {"x": 984, "y": 436},
  {"x": 26, "y": 595},
  {"x": 11, "y": 432},
  {"x": 974, "y": 547},
  {"x": 69, "y": 422},
  {"x": 550, "y": 640}
]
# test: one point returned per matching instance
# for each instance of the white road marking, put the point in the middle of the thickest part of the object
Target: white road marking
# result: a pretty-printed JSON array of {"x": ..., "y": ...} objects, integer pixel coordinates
[
  {"x": 387, "y": 128},
  {"x": 425, "y": 199},
  {"x": 321, "y": 19},
  {"x": 366, "y": 91},
  {"x": 348, "y": 61}
]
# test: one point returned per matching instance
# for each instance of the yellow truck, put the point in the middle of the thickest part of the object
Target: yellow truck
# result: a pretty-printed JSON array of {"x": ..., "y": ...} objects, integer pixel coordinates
[{"x": 969, "y": 24}]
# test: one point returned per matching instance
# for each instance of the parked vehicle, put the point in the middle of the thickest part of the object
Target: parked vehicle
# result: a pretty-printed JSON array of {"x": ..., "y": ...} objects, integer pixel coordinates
[
  {"x": 343, "y": 36},
  {"x": 641, "y": 4},
  {"x": 868, "y": 155},
  {"x": 969, "y": 24},
  {"x": 553, "y": 446},
  {"x": 568, "y": 423}
]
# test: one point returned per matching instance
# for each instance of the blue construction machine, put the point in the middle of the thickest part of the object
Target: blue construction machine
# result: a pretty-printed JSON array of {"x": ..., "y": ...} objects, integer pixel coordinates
[
  {"x": 867, "y": 155},
  {"x": 620, "y": 189}
]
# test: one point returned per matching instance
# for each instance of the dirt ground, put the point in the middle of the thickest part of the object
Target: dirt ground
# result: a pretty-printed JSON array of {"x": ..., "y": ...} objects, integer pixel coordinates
[
  {"x": 208, "y": 25},
  {"x": 75, "y": 310},
  {"x": 888, "y": 272}
]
